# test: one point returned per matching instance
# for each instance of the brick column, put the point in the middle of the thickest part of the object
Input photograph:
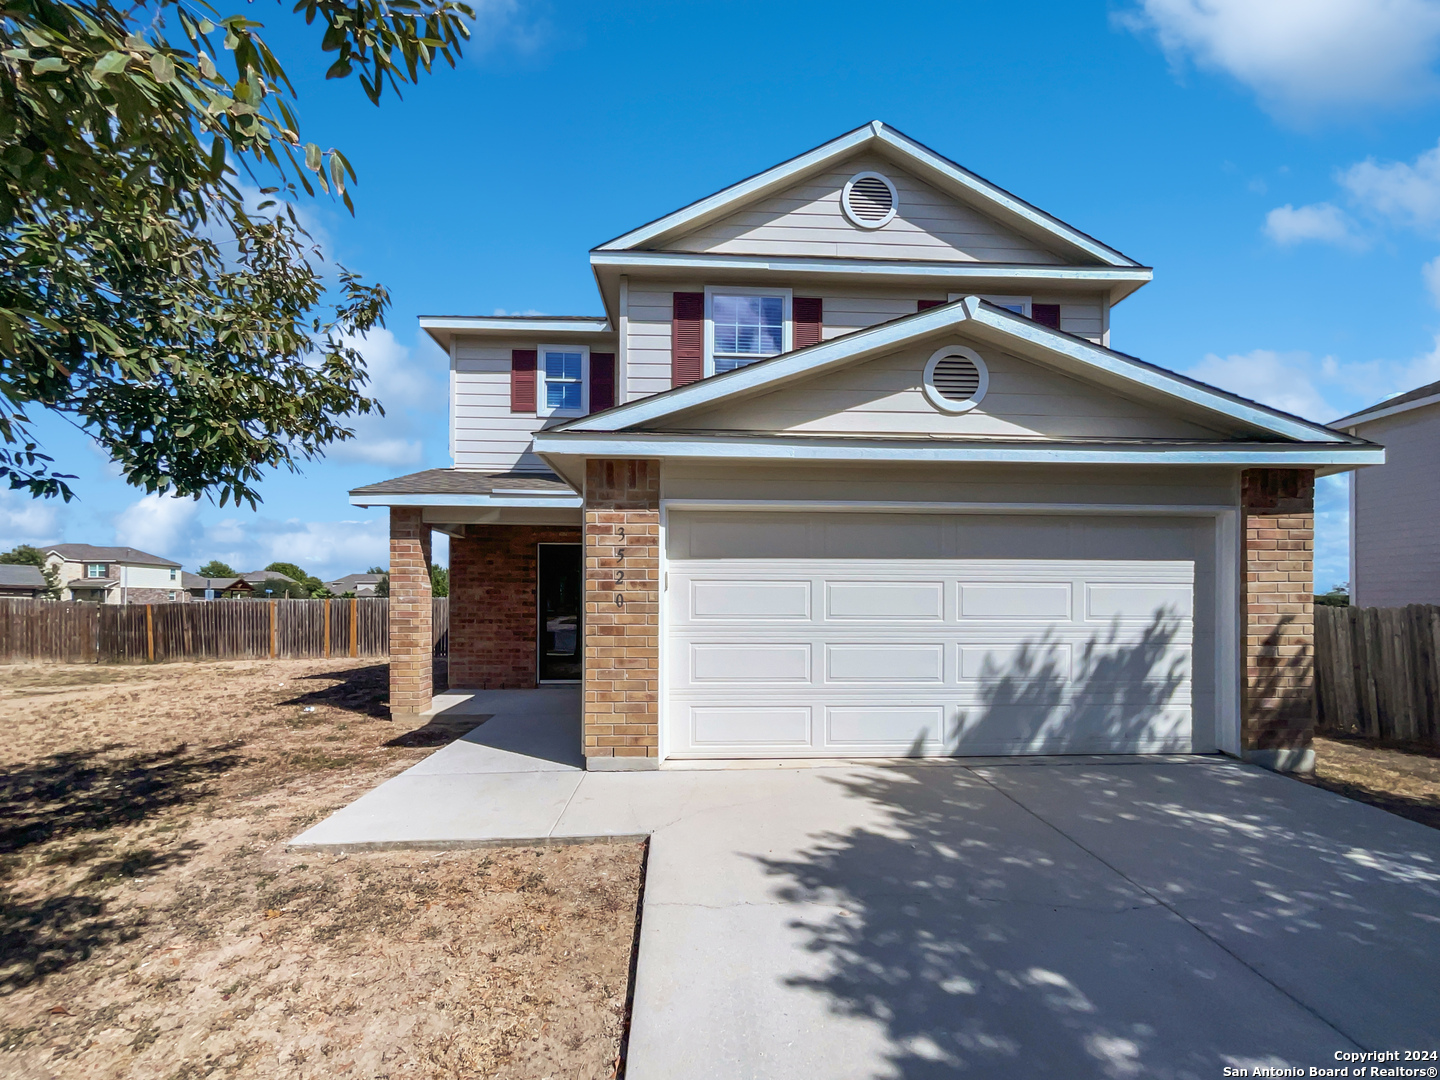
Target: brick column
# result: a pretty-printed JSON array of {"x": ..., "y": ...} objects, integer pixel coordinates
[
  {"x": 1278, "y": 703},
  {"x": 622, "y": 614},
  {"x": 411, "y": 648}
]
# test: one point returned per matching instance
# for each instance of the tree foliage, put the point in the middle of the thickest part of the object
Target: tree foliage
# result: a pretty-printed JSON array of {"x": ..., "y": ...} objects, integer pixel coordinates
[
  {"x": 216, "y": 568},
  {"x": 314, "y": 588},
  {"x": 142, "y": 297}
]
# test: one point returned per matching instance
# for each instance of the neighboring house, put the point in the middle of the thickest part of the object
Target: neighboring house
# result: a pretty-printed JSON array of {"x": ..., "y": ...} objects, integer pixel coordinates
[
  {"x": 115, "y": 575},
  {"x": 265, "y": 582},
  {"x": 18, "y": 579},
  {"x": 216, "y": 588},
  {"x": 1394, "y": 539},
  {"x": 359, "y": 584},
  {"x": 847, "y": 468}
]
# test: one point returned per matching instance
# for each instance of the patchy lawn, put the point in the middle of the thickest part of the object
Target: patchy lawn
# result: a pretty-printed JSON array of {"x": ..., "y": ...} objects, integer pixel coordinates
[
  {"x": 152, "y": 923},
  {"x": 1404, "y": 779}
]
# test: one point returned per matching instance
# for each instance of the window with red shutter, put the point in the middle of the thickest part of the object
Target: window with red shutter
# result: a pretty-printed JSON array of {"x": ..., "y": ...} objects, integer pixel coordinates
[
  {"x": 1046, "y": 314},
  {"x": 808, "y": 313},
  {"x": 522, "y": 380},
  {"x": 602, "y": 381},
  {"x": 687, "y": 342}
]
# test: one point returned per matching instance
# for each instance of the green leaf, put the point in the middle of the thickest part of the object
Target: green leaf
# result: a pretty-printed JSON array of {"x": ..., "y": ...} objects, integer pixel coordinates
[
  {"x": 110, "y": 63},
  {"x": 50, "y": 63},
  {"x": 339, "y": 69},
  {"x": 162, "y": 67},
  {"x": 312, "y": 157}
]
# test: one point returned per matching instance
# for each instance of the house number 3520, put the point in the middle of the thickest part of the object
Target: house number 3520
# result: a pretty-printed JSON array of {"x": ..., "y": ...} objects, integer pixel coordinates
[{"x": 620, "y": 573}]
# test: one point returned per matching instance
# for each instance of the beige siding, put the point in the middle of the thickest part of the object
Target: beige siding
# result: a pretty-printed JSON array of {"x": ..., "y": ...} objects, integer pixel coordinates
[
  {"x": 807, "y": 220},
  {"x": 486, "y": 434},
  {"x": 885, "y": 397},
  {"x": 845, "y": 311},
  {"x": 1396, "y": 560}
]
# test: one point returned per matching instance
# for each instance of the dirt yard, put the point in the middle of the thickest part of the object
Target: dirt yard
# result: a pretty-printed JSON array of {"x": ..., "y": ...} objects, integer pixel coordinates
[
  {"x": 1402, "y": 779},
  {"x": 152, "y": 923}
]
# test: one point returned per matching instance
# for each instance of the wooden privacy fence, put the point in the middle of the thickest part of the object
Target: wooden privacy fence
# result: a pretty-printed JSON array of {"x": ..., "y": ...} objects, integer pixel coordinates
[
  {"x": 1377, "y": 671},
  {"x": 79, "y": 632}
]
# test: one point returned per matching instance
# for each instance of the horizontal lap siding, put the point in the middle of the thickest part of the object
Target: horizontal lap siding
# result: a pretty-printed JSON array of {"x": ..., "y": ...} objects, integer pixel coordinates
[
  {"x": 885, "y": 396},
  {"x": 807, "y": 220},
  {"x": 1397, "y": 546}
]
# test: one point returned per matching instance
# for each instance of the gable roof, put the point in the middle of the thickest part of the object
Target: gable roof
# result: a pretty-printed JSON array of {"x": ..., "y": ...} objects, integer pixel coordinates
[
  {"x": 1429, "y": 394},
  {"x": 942, "y": 173},
  {"x": 91, "y": 553},
  {"x": 1074, "y": 355},
  {"x": 21, "y": 576}
]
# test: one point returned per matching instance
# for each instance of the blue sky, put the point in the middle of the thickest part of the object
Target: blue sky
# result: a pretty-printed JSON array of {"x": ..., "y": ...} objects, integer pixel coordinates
[{"x": 1276, "y": 161}]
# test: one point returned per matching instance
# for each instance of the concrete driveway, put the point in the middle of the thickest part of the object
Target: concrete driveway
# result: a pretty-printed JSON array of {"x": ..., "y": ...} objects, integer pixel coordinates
[{"x": 1068, "y": 918}]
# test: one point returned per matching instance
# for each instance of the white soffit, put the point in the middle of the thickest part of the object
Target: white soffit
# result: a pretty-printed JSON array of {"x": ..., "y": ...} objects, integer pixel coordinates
[
  {"x": 985, "y": 321},
  {"x": 928, "y": 165}
]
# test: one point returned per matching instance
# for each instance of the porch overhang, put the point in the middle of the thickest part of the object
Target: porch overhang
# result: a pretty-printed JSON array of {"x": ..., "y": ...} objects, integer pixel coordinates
[{"x": 467, "y": 497}]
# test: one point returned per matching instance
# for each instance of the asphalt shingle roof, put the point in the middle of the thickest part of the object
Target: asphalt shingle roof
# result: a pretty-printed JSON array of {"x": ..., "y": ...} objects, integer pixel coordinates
[
  {"x": 91, "y": 553},
  {"x": 463, "y": 482},
  {"x": 21, "y": 575}
]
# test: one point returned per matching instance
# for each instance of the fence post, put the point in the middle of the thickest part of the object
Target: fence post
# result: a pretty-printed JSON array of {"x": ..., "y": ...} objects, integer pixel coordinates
[
  {"x": 150, "y": 630},
  {"x": 355, "y": 627},
  {"x": 327, "y": 629},
  {"x": 273, "y": 609}
]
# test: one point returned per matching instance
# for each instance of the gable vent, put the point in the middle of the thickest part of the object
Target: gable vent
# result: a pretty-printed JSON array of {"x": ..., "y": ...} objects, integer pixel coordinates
[
  {"x": 956, "y": 379},
  {"x": 869, "y": 200}
]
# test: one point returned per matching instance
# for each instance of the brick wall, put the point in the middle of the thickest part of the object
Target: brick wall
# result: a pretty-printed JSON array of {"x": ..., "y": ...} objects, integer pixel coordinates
[
  {"x": 155, "y": 596},
  {"x": 492, "y": 604},
  {"x": 622, "y": 612},
  {"x": 411, "y": 648},
  {"x": 1278, "y": 710}
]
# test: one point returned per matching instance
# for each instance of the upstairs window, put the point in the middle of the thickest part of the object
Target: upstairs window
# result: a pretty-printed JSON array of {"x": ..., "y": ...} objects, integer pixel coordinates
[
  {"x": 745, "y": 326},
  {"x": 95, "y": 570},
  {"x": 565, "y": 370},
  {"x": 172, "y": 576}
]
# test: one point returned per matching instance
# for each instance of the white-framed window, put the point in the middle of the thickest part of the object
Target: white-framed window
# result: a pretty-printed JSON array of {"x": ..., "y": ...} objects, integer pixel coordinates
[
  {"x": 563, "y": 380},
  {"x": 172, "y": 594},
  {"x": 172, "y": 578},
  {"x": 1018, "y": 304},
  {"x": 95, "y": 570},
  {"x": 744, "y": 325},
  {"x": 956, "y": 379}
]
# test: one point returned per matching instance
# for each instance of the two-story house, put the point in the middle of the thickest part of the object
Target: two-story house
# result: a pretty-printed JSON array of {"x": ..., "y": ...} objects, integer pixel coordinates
[
  {"x": 849, "y": 468},
  {"x": 115, "y": 575}
]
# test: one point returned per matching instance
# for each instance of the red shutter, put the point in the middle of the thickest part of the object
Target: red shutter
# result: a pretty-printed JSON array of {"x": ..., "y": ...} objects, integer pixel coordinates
[
  {"x": 687, "y": 348},
  {"x": 602, "y": 380},
  {"x": 1046, "y": 315},
  {"x": 926, "y": 305},
  {"x": 522, "y": 380},
  {"x": 808, "y": 314}
]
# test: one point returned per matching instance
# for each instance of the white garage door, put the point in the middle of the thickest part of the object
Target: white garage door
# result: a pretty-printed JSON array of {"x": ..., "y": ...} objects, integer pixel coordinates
[{"x": 845, "y": 657}]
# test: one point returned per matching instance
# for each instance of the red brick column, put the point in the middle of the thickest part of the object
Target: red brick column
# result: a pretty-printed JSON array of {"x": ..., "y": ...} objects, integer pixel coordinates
[
  {"x": 1278, "y": 704},
  {"x": 622, "y": 614},
  {"x": 493, "y": 625},
  {"x": 411, "y": 648}
]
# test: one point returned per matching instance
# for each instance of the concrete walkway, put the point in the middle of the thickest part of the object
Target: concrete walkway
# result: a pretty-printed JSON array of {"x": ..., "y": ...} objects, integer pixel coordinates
[{"x": 1103, "y": 917}]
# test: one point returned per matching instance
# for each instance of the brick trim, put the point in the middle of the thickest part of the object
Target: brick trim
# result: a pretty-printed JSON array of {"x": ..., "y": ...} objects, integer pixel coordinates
[
  {"x": 411, "y": 647},
  {"x": 622, "y": 608},
  {"x": 1277, "y": 607}
]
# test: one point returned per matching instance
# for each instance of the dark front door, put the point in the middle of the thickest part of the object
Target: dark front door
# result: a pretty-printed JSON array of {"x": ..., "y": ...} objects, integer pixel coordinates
[{"x": 559, "y": 611}]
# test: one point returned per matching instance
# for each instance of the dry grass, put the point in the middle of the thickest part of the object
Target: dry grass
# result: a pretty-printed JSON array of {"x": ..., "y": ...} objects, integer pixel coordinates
[
  {"x": 152, "y": 923},
  {"x": 1404, "y": 779}
]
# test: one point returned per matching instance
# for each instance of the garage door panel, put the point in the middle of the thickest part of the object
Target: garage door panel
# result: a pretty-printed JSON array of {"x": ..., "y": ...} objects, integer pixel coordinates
[
  {"x": 885, "y": 663},
  {"x": 750, "y": 663},
  {"x": 885, "y": 600},
  {"x": 877, "y": 657},
  {"x": 750, "y": 599},
  {"x": 892, "y": 728}
]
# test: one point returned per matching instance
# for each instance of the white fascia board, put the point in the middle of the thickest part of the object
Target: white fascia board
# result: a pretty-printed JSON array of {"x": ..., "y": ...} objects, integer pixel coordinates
[
  {"x": 1381, "y": 411},
  {"x": 810, "y": 360},
  {"x": 988, "y": 192},
  {"x": 1016, "y": 326},
  {"x": 754, "y": 186},
  {"x": 538, "y": 324},
  {"x": 510, "y": 498},
  {"x": 722, "y": 448},
  {"x": 797, "y": 265}
]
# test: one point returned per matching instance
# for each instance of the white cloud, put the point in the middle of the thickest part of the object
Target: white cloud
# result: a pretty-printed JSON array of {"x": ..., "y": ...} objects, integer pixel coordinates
[
  {"x": 409, "y": 384},
  {"x": 1402, "y": 194},
  {"x": 1430, "y": 272},
  {"x": 1325, "y": 222},
  {"x": 27, "y": 520},
  {"x": 1281, "y": 380},
  {"x": 1303, "y": 57},
  {"x": 157, "y": 523},
  {"x": 323, "y": 548}
]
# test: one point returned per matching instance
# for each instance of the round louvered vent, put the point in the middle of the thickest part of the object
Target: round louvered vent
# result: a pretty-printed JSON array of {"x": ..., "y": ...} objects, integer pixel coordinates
[
  {"x": 869, "y": 200},
  {"x": 956, "y": 379}
]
